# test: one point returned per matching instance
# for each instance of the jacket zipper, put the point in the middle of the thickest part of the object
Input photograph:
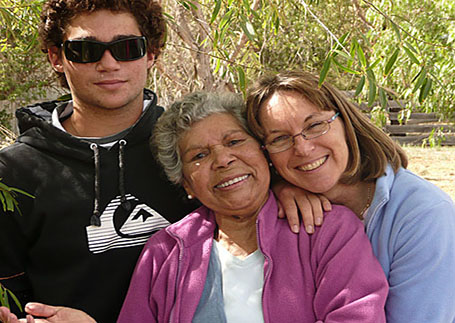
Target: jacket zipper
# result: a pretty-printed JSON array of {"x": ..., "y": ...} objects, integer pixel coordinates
[
  {"x": 267, "y": 273},
  {"x": 374, "y": 214},
  {"x": 179, "y": 268}
]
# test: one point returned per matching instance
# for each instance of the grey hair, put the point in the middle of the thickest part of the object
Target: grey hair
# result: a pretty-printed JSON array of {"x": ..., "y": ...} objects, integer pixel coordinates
[{"x": 179, "y": 118}]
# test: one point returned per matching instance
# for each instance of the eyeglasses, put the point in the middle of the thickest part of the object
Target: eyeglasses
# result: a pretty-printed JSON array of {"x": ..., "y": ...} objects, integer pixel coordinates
[
  {"x": 90, "y": 51},
  {"x": 314, "y": 130}
]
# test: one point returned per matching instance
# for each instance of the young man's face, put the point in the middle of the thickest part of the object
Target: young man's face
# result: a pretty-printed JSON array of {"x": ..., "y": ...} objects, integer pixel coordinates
[{"x": 106, "y": 84}]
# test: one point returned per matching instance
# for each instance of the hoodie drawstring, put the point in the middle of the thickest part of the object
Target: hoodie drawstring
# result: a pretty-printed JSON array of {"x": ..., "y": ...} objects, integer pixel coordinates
[
  {"x": 121, "y": 163},
  {"x": 95, "y": 219}
]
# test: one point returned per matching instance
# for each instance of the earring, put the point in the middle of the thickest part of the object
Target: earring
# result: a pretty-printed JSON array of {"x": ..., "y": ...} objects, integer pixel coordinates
[
  {"x": 190, "y": 197},
  {"x": 270, "y": 164}
]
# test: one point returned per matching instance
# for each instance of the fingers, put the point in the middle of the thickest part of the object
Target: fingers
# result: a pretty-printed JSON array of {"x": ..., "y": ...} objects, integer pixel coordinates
[
  {"x": 290, "y": 211},
  {"x": 29, "y": 319},
  {"x": 281, "y": 213},
  {"x": 38, "y": 309},
  {"x": 311, "y": 209},
  {"x": 326, "y": 204},
  {"x": 6, "y": 316}
]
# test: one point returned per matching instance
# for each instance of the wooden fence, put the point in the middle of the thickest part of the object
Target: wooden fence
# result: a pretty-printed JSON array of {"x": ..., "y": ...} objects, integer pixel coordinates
[{"x": 418, "y": 128}]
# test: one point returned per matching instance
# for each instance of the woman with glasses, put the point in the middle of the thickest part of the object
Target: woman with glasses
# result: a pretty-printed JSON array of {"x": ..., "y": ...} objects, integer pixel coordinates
[
  {"x": 233, "y": 260},
  {"x": 320, "y": 142}
]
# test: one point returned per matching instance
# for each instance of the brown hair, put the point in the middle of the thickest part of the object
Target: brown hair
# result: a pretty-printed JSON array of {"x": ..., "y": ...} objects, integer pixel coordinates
[
  {"x": 57, "y": 14},
  {"x": 370, "y": 149}
]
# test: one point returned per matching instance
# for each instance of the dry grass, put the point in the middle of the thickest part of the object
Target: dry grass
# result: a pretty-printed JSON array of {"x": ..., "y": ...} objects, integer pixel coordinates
[
  {"x": 6, "y": 136},
  {"x": 436, "y": 165}
]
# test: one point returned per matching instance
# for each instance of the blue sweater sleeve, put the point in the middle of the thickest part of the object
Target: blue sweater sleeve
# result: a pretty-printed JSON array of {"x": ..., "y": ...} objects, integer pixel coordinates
[{"x": 422, "y": 264}]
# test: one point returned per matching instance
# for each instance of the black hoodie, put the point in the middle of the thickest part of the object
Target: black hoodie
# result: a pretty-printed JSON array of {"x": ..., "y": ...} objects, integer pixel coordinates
[{"x": 77, "y": 242}]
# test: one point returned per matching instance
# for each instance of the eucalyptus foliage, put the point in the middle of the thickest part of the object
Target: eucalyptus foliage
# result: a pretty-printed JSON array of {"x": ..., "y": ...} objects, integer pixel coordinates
[
  {"x": 9, "y": 204},
  {"x": 5, "y": 295},
  {"x": 379, "y": 50},
  {"x": 24, "y": 70}
]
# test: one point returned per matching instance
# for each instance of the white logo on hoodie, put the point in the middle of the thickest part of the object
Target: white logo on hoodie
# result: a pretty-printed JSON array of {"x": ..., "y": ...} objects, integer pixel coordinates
[{"x": 122, "y": 228}]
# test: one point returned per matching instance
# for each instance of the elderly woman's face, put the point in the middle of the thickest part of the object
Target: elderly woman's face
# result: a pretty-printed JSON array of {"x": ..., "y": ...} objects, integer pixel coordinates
[
  {"x": 224, "y": 167},
  {"x": 316, "y": 164}
]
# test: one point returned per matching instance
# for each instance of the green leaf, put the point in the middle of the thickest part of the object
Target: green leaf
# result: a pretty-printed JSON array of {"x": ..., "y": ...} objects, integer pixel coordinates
[
  {"x": 360, "y": 86},
  {"x": 372, "y": 66},
  {"x": 409, "y": 45},
  {"x": 2, "y": 296},
  {"x": 32, "y": 42},
  {"x": 421, "y": 79},
  {"x": 246, "y": 5},
  {"x": 325, "y": 70},
  {"x": 276, "y": 23},
  {"x": 341, "y": 53},
  {"x": 21, "y": 191},
  {"x": 411, "y": 55},
  {"x": 425, "y": 90},
  {"x": 216, "y": 10},
  {"x": 183, "y": 3},
  {"x": 416, "y": 76},
  {"x": 5, "y": 301},
  {"x": 241, "y": 75},
  {"x": 4, "y": 187},
  {"x": 346, "y": 69},
  {"x": 371, "y": 76},
  {"x": 343, "y": 38},
  {"x": 18, "y": 304},
  {"x": 248, "y": 29},
  {"x": 9, "y": 202},
  {"x": 192, "y": 5},
  {"x": 361, "y": 56},
  {"x": 216, "y": 37},
  {"x": 391, "y": 61},
  {"x": 226, "y": 18},
  {"x": 371, "y": 89},
  {"x": 353, "y": 48},
  {"x": 217, "y": 66},
  {"x": 65, "y": 97},
  {"x": 341, "y": 41},
  {"x": 3, "y": 200},
  {"x": 397, "y": 31},
  {"x": 382, "y": 98}
]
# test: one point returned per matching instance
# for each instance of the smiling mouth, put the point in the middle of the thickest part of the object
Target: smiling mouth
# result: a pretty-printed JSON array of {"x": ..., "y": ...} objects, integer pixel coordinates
[
  {"x": 232, "y": 181},
  {"x": 109, "y": 82},
  {"x": 313, "y": 165}
]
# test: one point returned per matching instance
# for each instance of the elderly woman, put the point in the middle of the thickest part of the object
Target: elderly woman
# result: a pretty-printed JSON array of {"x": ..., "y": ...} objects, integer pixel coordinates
[
  {"x": 233, "y": 260},
  {"x": 320, "y": 142}
]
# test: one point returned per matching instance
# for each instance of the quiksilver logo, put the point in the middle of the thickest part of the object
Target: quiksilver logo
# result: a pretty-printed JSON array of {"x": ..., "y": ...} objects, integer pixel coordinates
[{"x": 122, "y": 228}]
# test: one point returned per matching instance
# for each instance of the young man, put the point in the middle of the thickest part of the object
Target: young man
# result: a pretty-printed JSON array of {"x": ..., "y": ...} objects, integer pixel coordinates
[{"x": 98, "y": 194}]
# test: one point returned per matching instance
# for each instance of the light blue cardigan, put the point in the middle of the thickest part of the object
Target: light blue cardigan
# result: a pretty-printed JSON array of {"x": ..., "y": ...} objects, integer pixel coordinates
[{"x": 411, "y": 226}]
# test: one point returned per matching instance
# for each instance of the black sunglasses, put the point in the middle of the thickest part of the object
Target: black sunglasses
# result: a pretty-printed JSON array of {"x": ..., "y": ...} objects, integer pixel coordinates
[{"x": 90, "y": 51}]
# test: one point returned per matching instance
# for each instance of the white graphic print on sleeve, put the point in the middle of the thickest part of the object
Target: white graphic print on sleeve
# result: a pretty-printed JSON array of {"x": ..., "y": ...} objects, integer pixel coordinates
[{"x": 121, "y": 228}]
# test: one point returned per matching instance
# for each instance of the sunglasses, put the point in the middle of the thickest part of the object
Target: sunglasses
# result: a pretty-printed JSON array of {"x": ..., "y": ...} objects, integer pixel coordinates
[{"x": 90, "y": 51}]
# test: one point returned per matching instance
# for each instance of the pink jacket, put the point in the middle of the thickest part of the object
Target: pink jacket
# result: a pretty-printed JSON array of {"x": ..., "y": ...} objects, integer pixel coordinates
[{"x": 330, "y": 276}]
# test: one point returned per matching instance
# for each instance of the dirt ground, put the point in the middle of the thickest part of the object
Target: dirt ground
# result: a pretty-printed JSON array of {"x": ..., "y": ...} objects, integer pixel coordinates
[{"x": 436, "y": 165}]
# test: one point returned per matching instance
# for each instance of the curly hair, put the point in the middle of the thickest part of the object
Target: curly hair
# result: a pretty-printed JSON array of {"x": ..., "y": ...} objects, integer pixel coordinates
[
  {"x": 179, "y": 118},
  {"x": 370, "y": 148},
  {"x": 57, "y": 14}
]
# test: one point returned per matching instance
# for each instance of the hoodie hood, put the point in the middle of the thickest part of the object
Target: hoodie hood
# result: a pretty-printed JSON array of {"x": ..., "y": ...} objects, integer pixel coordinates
[
  {"x": 36, "y": 129},
  {"x": 35, "y": 124}
]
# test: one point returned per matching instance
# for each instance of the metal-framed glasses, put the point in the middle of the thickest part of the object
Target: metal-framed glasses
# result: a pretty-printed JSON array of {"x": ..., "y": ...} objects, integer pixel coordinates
[
  {"x": 90, "y": 51},
  {"x": 284, "y": 142}
]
